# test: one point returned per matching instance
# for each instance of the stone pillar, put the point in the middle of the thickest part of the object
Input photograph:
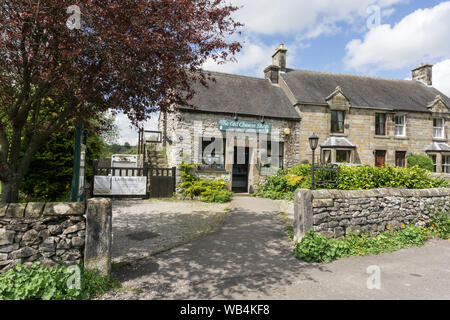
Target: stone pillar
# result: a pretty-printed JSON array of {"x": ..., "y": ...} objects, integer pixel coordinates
[
  {"x": 303, "y": 213},
  {"x": 98, "y": 247}
]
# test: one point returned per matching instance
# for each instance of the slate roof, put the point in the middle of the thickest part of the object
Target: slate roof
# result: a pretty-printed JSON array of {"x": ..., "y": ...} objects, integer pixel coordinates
[
  {"x": 243, "y": 95},
  {"x": 337, "y": 142},
  {"x": 438, "y": 147},
  {"x": 312, "y": 87}
]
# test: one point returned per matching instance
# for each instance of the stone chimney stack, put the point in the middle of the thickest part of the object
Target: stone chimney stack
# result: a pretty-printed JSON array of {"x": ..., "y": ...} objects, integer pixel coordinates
[
  {"x": 423, "y": 73},
  {"x": 279, "y": 58},
  {"x": 272, "y": 72}
]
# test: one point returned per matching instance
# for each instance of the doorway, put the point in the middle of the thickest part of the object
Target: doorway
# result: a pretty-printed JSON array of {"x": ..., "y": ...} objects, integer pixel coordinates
[
  {"x": 380, "y": 158},
  {"x": 240, "y": 169}
]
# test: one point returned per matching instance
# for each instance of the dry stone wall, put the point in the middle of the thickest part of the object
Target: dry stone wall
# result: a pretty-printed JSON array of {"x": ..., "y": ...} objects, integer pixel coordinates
[
  {"x": 336, "y": 213},
  {"x": 51, "y": 233}
]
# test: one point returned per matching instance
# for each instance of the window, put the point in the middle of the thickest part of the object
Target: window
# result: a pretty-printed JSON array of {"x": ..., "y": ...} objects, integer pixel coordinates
[
  {"x": 400, "y": 159},
  {"x": 400, "y": 126},
  {"x": 434, "y": 158},
  {"x": 343, "y": 156},
  {"x": 327, "y": 156},
  {"x": 380, "y": 158},
  {"x": 268, "y": 163},
  {"x": 337, "y": 121},
  {"x": 446, "y": 164},
  {"x": 438, "y": 128},
  {"x": 380, "y": 124},
  {"x": 213, "y": 153}
]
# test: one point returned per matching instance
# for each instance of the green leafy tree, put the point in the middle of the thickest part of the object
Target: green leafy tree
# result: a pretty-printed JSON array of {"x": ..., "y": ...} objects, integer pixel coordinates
[
  {"x": 50, "y": 174},
  {"x": 421, "y": 161}
]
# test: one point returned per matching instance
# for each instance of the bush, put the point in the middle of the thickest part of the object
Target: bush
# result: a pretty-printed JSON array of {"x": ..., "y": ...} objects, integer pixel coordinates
[
  {"x": 284, "y": 183},
  {"x": 440, "y": 224},
  {"x": 423, "y": 162},
  {"x": 50, "y": 283},
  {"x": 317, "y": 248},
  {"x": 206, "y": 190}
]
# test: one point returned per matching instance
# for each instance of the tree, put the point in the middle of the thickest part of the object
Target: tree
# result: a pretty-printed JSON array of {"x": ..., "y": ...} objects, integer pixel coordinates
[
  {"x": 50, "y": 175},
  {"x": 61, "y": 63}
]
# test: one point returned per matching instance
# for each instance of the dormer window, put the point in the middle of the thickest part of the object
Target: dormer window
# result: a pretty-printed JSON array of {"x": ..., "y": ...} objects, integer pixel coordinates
[
  {"x": 337, "y": 121},
  {"x": 438, "y": 128}
]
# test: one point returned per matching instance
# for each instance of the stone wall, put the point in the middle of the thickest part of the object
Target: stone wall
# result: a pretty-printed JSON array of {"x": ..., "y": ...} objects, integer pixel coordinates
[
  {"x": 48, "y": 232},
  {"x": 57, "y": 233},
  {"x": 335, "y": 213}
]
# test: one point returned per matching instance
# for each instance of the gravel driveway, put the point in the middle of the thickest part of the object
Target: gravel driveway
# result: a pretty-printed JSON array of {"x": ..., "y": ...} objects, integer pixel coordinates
[{"x": 142, "y": 228}]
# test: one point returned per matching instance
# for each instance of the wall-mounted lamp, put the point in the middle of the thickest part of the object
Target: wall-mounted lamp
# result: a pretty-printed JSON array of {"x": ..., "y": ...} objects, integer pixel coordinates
[
  {"x": 287, "y": 131},
  {"x": 263, "y": 120},
  {"x": 236, "y": 117}
]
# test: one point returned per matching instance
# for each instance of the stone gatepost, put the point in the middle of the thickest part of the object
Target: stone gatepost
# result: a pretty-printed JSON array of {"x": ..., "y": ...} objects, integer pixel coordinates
[
  {"x": 97, "y": 255},
  {"x": 303, "y": 214}
]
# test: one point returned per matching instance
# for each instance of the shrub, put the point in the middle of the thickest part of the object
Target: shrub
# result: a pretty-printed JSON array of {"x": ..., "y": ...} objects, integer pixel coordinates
[
  {"x": 317, "y": 248},
  {"x": 206, "y": 190},
  {"x": 421, "y": 161},
  {"x": 440, "y": 223},
  {"x": 50, "y": 283},
  {"x": 284, "y": 183}
]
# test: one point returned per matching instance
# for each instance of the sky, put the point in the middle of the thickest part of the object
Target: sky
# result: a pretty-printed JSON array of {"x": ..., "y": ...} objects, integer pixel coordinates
[{"x": 382, "y": 38}]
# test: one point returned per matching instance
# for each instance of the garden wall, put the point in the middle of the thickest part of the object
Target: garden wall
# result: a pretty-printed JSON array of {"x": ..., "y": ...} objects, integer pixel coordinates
[
  {"x": 335, "y": 213},
  {"x": 54, "y": 233}
]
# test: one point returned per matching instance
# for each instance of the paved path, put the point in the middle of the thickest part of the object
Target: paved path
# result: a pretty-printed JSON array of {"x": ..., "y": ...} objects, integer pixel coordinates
[{"x": 250, "y": 257}]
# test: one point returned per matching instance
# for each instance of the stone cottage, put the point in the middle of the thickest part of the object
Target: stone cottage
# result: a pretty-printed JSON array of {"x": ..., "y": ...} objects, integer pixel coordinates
[{"x": 359, "y": 120}]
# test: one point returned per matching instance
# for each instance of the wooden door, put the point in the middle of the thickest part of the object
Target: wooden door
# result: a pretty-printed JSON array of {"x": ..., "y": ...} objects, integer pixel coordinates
[{"x": 380, "y": 158}]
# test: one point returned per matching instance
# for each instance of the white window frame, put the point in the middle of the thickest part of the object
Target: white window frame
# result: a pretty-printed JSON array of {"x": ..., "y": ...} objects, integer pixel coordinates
[
  {"x": 442, "y": 128},
  {"x": 446, "y": 163},
  {"x": 401, "y": 126}
]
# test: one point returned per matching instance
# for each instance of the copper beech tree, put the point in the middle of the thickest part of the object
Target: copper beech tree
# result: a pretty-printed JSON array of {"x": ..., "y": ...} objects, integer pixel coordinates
[{"x": 71, "y": 60}]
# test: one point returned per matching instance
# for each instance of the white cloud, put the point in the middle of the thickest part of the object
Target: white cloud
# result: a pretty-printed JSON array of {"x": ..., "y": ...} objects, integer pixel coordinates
[
  {"x": 305, "y": 17},
  {"x": 419, "y": 37},
  {"x": 254, "y": 58},
  {"x": 441, "y": 76},
  {"x": 129, "y": 133}
]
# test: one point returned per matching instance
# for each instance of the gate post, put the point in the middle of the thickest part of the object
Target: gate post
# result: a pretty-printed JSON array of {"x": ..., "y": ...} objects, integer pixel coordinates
[
  {"x": 98, "y": 245},
  {"x": 303, "y": 213}
]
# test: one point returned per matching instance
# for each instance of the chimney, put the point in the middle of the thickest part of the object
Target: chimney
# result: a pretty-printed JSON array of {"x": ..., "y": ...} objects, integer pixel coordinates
[
  {"x": 272, "y": 73},
  {"x": 279, "y": 58},
  {"x": 423, "y": 73}
]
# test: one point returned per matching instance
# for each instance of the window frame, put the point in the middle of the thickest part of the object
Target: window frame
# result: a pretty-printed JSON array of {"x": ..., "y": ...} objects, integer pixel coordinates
[
  {"x": 349, "y": 153},
  {"x": 377, "y": 123},
  {"x": 220, "y": 165},
  {"x": 445, "y": 163},
  {"x": 337, "y": 121},
  {"x": 268, "y": 170},
  {"x": 441, "y": 128},
  {"x": 403, "y": 153},
  {"x": 403, "y": 125}
]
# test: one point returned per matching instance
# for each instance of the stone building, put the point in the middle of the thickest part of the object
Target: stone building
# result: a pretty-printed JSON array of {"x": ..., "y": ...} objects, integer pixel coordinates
[{"x": 359, "y": 120}]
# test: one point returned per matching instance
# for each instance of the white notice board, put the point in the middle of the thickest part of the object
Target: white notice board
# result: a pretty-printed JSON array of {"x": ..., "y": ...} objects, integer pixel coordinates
[{"x": 120, "y": 186}]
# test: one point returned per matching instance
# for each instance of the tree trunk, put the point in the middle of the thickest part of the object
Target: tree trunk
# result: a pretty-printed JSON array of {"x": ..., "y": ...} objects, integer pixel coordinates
[{"x": 10, "y": 192}]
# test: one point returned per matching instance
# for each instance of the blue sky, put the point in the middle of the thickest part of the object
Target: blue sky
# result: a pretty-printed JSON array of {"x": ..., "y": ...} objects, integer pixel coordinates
[{"x": 383, "y": 38}]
